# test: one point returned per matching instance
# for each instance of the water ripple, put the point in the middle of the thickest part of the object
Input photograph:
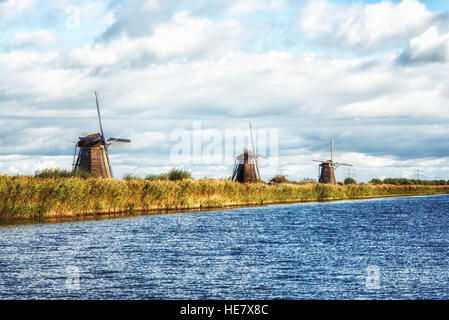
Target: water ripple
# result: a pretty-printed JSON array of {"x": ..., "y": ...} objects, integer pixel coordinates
[{"x": 300, "y": 251}]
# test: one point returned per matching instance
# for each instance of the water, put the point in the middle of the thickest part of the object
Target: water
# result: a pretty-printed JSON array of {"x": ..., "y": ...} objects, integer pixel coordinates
[{"x": 373, "y": 249}]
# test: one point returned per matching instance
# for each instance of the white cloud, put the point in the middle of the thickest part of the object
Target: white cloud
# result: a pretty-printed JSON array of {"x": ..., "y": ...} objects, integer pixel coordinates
[
  {"x": 181, "y": 37},
  {"x": 96, "y": 12},
  {"x": 423, "y": 103},
  {"x": 39, "y": 38},
  {"x": 9, "y": 9},
  {"x": 431, "y": 46},
  {"x": 364, "y": 26},
  {"x": 25, "y": 164},
  {"x": 148, "y": 139},
  {"x": 249, "y": 6}
]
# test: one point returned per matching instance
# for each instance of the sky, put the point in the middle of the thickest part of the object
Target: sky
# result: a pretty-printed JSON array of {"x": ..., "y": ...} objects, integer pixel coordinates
[{"x": 370, "y": 74}]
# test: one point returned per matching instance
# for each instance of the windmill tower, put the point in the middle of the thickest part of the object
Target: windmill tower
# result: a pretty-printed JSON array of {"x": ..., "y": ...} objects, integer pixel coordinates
[
  {"x": 92, "y": 151},
  {"x": 246, "y": 167},
  {"x": 326, "y": 169}
]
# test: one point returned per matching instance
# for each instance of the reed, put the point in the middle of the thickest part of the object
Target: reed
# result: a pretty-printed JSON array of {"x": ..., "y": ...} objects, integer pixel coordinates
[{"x": 29, "y": 197}]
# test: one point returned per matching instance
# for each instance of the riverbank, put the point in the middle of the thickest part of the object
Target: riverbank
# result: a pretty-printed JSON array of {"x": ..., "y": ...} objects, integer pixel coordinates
[{"x": 28, "y": 197}]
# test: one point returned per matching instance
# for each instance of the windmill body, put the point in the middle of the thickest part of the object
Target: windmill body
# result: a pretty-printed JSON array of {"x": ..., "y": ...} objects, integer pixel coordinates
[
  {"x": 326, "y": 173},
  {"x": 92, "y": 152},
  {"x": 245, "y": 168},
  {"x": 93, "y": 156}
]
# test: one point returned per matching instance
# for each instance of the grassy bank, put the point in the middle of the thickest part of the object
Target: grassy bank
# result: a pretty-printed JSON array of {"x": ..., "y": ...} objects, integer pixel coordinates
[{"x": 28, "y": 197}]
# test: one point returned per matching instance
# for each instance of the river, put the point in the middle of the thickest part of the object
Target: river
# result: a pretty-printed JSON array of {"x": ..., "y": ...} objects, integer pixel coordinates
[{"x": 395, "y": 248}]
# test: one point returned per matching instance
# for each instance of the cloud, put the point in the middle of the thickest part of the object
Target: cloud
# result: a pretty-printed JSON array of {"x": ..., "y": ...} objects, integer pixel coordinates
[
  {"x": 10, "y": 9},
  {"x": 182, "y": 36},
  {"x": 39, "y": 38},
  {"x": 138, "y": 18},
  {"x": 148, "y": 139},
  {"x": 250, "y": 6},
  {"x": 431, "y": 46},
  {"x": 364, "y": 27},
  {"x": 28, "y": 164},
  {"x": 159, "y": 66}
]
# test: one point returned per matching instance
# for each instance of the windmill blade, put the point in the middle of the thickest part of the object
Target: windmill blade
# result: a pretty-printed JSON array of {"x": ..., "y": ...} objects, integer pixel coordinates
[
  {"x": 252, "y": 141},
  {"x": 343, "y": 164},
  {"x": 119, "y": 143},
  {"x": 261, "y": 157},
  {"x": 119, "y": 140},
  {"x": 99, "y": 116},
  {"x": 321, "y": 161},
  {"x": 254, "y": 151},
  {"x": 332, "y": 149}
]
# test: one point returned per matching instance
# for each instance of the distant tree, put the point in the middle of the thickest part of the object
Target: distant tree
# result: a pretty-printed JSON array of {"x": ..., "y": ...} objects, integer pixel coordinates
[
  {"x": 179, "y": 174},
  {"x": 130, "y": 176},
  {"x": 405, "y": 182},
  {"x": 279, "y": 179},
  {"x": 350, "y": 181},
  {"x": 376, "y": 181}
]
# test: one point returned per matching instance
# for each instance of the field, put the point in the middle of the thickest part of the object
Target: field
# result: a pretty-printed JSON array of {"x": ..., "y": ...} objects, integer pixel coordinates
[{"x": 24, "y": 197}]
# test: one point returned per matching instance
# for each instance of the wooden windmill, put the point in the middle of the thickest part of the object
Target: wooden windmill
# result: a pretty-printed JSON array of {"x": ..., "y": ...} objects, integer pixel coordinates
[
  {"x": 246, "y": 167},
  {"x": 326, "y": 169},
  {"x": 92, "y": 151}
]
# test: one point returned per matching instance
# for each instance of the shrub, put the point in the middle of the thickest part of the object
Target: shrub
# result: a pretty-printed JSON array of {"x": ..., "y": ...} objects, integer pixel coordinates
[
  {"x": 172, "y": 175},
  {"x": 130, "y": 176},
  {"x": 279, "y": 179},
  {"x": 179, "y": 174},
  {"x": 376, "y": 181},
  {"x": 349, "y": 181}
]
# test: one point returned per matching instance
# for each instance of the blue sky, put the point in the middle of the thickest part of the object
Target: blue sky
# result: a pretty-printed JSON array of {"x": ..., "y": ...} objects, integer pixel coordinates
[{"x": 371, "y": 74}]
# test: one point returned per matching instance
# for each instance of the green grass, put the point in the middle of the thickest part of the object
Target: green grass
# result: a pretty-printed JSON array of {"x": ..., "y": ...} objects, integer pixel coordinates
[{"x": 28, "y": 197}]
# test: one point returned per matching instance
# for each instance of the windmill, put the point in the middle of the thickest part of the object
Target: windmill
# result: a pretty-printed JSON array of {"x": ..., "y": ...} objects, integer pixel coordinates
[
  {"x": 246, "y": 167},
  {"x": 326, "y": 169},
  {"x": 92, "y": 150}
]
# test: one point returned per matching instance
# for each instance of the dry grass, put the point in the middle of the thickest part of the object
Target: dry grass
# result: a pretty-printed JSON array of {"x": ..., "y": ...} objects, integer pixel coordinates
[{"x": 28, "y": 197}]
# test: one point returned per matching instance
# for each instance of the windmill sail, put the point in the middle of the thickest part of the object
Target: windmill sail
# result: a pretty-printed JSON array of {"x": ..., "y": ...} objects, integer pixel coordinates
[{"x": 99, "y": 116}]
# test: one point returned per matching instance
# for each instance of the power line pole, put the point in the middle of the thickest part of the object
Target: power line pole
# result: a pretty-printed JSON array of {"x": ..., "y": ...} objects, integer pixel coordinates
[
  {"x": 349, "y": 173},
  {"x": 419, "y": 174}
]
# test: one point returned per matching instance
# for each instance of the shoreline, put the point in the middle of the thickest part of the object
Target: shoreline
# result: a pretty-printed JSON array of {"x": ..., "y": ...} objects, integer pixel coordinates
[
  {"x": 95, "y": 216},
  {"x": 43, "y": 199}
]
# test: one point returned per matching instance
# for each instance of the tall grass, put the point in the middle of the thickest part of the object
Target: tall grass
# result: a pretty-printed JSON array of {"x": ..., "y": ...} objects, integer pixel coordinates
[
  {"x": 58, "y": 173},
  {"x": 173, "y": 175},
  {"x": 26, "y": 197}
]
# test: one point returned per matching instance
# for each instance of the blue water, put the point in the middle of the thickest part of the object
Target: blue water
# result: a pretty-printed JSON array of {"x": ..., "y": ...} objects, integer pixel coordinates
[{"x": 373, "y": 249}]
